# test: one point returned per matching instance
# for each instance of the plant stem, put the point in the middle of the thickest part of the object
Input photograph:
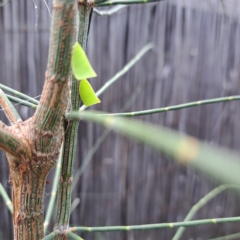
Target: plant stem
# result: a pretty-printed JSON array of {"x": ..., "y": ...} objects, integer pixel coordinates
[
  {"x": 156, "y": 225},
  {"x": 74, "y": 236},
  {"x": 5, "y": 197},
  {"x": 70, "y": 137},
  {"x": 124, "y": 2},
  {"x": 51, "y": 235},
  {"x": 21, "y": 102},
  {"x": 206, "y": 158},
  {"x": 202, "y": 202},
  {"x": 176, "y": 107},
  {"x": 228, "y": 237},
  {"x": 108, "y": 12},
  {"x": 9, "y": 109},
  {"x": 53, "y": 192},
  {"x": 19, "y": 94}
]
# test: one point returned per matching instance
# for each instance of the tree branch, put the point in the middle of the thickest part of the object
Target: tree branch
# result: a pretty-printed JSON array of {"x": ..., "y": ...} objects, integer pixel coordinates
[
  {"x": 9, "y": 109},
  {"x": 10, "y": 142},
  {"x": 53, "y": 103}
]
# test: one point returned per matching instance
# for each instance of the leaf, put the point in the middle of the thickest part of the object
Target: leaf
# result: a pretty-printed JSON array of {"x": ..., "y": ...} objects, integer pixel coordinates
[
  {"x": 87, "y": 93},
  {"x": 80, "y": 64}
]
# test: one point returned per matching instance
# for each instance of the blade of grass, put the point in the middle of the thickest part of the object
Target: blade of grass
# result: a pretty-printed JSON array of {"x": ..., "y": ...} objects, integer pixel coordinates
[
  {"x": 5, "y": 198},
  {"x": 156, "y": 225},
  {"x": 140, "y": 54},
  {"x": 208, "y": 159},
  {"x": 176, "y": 107},
  {"x": 201, "y": 203}
]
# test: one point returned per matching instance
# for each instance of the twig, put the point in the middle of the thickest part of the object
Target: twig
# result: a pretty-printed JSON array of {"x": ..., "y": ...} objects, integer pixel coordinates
[
  {"x": 19, "y": 94},
  {"x": 228, "y": 237},
  {"x": 144, "y": 50},
  {"x": 5, "y": 197},
  {"x": 21, "y": 102},
  {"x": 124, "y": 2},
  {"x": 9, "y": 109},
  {"x": 74, "y": 236},
  {"x": 184, "y": 149},
  {"x": 109, "y": 12},
  {"x": 202, "y": 202},
  {"x": 176, "y": 107},
  {"x": 156, "y": 225},
  {"x": 53, "y": 192},
  {"x": 51, "y": 235}
]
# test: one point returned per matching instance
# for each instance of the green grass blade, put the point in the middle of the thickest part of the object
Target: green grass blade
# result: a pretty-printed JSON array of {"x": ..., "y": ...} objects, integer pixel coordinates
[{"x": 211, "y": 160}]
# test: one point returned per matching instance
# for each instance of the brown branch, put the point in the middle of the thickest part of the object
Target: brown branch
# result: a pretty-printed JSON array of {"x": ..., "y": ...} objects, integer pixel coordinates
[
  {"x": 56, "y": 92},
  {"x": 9, "y": 109},
  {"x": 11, "y": 142}
]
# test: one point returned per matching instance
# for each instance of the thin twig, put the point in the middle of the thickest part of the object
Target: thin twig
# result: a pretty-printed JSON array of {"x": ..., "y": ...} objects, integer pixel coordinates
[
  {"x": 9, "y": 109},
  {"x": 21, "y": 102},
  {"x": 202, "y": 202},
  {"x": 5, "y": 197},
  {"x": 228, "y": 237},
  {"x": 19, "y": 94},
  {"x": 51, "y": 235},
  {"x": 156, "y": 225},
  {"x": 53, "y": 192},
  {"x": 144, "y": 50},
  {"x": 176, "y": 107},
  {"x": 124, "y": 2},
  {"x": 110, "y": 11},
  {"x": 74, "y": 236}
]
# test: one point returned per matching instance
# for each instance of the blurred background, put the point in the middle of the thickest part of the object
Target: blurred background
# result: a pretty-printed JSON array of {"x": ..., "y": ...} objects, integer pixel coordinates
[{"x": 196, "y": 56}]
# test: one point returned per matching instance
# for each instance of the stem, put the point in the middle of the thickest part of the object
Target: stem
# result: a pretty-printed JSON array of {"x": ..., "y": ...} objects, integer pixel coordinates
[
  {"x": 126, "y": 68},
  {"x": 228, "y": 237},
  {"x": 124, "y": 2},
  {"x": 74, "y": 236},
  {"x": 19, "y": 94},
  {"x": 53, "y": 193},
  {"x": 51, "y": 235},
  {"x": 184, "y": 149},
  {"x": 5, "y": 197},
  {"x": 156, "y": 225},
  {"x": 21, "y": 102},
  {"x": 202, "y": 202},
  {"x": 9, "y": 109},
  {"x": 108, "y": 12},
  {"x": 70, "y": 137},
  {"x": 176, "y": 107}
]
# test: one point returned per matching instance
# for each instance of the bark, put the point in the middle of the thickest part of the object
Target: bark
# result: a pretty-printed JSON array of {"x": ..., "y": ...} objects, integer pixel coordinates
[{"x": 32, "y": 147}]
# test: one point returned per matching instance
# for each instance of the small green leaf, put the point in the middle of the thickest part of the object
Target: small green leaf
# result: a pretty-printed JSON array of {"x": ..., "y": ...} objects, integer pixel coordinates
[
  {"x": 87, "y": 94},
  {"x": 80, "y": 65}
]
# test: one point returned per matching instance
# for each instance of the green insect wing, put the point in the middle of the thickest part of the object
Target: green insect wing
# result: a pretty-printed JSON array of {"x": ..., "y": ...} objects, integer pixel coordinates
[
  {"x": 87, "y": 93},
  {"x": 81, "y": 66}
]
